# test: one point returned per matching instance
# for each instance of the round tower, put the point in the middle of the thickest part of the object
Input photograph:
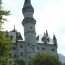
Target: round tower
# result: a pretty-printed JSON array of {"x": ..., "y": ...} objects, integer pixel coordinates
[{"x": 29, "y": 29}]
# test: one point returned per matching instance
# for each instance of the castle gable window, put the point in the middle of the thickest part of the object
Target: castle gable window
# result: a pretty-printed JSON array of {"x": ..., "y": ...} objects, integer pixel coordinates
[{"x": 11, "y": 37}]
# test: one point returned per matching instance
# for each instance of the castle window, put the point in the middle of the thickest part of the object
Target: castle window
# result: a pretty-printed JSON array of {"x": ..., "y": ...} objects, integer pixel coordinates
[
  {"x": 21, "y": 46},
  {"x": 52, "y": 49},
  {"x": 43, "y": 48},
  {"x": 31, "y": 27},
  {"x": 11, "y": 37},
  {"x": 14, "y": 48},
  {"x": 33, "y": 49},
  {"x": 38, "y": 48},
  {"x": 21, "y": 53},
  {"x": 28, "y": 44},
  {"x": 29, "y": 57},
  {"x": 15, "y": 55}
]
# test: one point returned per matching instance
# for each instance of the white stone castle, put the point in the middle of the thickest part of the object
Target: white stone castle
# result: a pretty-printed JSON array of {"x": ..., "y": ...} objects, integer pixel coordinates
[{"x": 27, "y": 49}]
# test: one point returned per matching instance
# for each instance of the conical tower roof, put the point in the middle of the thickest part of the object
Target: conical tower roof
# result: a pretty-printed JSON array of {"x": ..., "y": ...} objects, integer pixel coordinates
[{"x": 27, "y": 6}]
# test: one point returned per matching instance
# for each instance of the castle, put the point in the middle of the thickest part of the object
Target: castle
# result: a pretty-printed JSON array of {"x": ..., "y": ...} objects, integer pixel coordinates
[{"x": 28, "y": 48}]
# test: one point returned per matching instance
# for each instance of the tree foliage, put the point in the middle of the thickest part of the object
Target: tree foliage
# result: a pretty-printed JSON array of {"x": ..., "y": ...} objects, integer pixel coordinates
[
  {"x": 4, "y": 41},
  {"x": 19, "y": 62},
  {"x": 45, "y": 59},
  {"x": 3, "y": 13}
]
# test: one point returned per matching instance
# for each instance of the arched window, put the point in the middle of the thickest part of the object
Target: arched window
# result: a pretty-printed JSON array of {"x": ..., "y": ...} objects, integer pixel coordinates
[
  {"x": 21, "y": 53},
  {"x": 28, "y": 44},
  {"x": 11, "y": 37},
  {"x": 53, "y": 49}
]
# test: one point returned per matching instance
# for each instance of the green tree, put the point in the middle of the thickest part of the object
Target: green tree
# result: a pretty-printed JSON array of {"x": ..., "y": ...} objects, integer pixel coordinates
[
  {"x": 45, "y": 59},
  {"x": 4, "y": 41},
  {"x": 3, "y": 13},
  {"x": 19, "y": 62}
]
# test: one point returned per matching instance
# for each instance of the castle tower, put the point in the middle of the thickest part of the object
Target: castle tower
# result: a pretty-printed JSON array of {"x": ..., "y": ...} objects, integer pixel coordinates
[{"x": 29, "y": 29}]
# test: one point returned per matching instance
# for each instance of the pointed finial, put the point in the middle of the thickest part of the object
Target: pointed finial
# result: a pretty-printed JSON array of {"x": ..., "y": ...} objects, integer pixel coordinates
[
  {"x": 46, "y": 33},
  {"x": 54, "y": 40},
  {"x": 27, "y": 6},
  {"x": 54, "y": 37},
  {"x": 27, "y": 1},
  {"x": 14, "y": 27}
]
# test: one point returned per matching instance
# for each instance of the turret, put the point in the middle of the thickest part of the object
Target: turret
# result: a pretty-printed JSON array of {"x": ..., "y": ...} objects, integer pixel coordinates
[
  {"x": 46, "y": 33},
  {"x": 54, "y": 40}
]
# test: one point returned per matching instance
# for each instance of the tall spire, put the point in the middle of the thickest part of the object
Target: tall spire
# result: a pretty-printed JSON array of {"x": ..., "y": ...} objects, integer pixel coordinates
[
  {"x": 14, "y": 27},
  {"x": 27, "y": 1},
  {"x": 27, "y": 6},
  {"x": 46, "y": 33}
]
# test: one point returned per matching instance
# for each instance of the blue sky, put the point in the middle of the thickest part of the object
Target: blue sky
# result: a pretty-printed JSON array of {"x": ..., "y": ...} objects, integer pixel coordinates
[{"x": 49, "y": 14}]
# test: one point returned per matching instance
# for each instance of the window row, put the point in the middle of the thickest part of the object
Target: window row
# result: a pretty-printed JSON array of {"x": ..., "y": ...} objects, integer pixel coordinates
[
  {"x": 10, "y": 55},
  {"x": 44, "y": 48},
  {"x": 11, "y": 37},
  {"x": 14, "y": 48}
]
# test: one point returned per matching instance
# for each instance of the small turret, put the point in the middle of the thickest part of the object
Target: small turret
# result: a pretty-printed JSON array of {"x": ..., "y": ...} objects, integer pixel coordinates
[
  {"x": 37, "y": 38},
  {"x": 46, "y": 33},
  {"x": 14, "y": 30},
  {"x": 54, "y": 40},
  {"x": 44, "y": 39}
]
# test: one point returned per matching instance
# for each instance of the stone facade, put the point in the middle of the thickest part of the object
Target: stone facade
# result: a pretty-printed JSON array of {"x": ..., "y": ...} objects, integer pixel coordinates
[{"x": 28, "y": 48}]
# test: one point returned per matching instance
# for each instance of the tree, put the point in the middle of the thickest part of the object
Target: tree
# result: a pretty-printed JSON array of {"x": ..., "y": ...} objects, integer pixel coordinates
[
  {"x": 45, "y": 59},
  {"x": 4, "y": 41},
  {"x": 19, "y": 62},
  {"x": 3, "y": 13}
]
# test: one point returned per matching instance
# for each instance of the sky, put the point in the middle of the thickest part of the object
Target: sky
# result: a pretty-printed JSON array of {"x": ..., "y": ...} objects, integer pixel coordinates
[{"x": 49, "y": 15}]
